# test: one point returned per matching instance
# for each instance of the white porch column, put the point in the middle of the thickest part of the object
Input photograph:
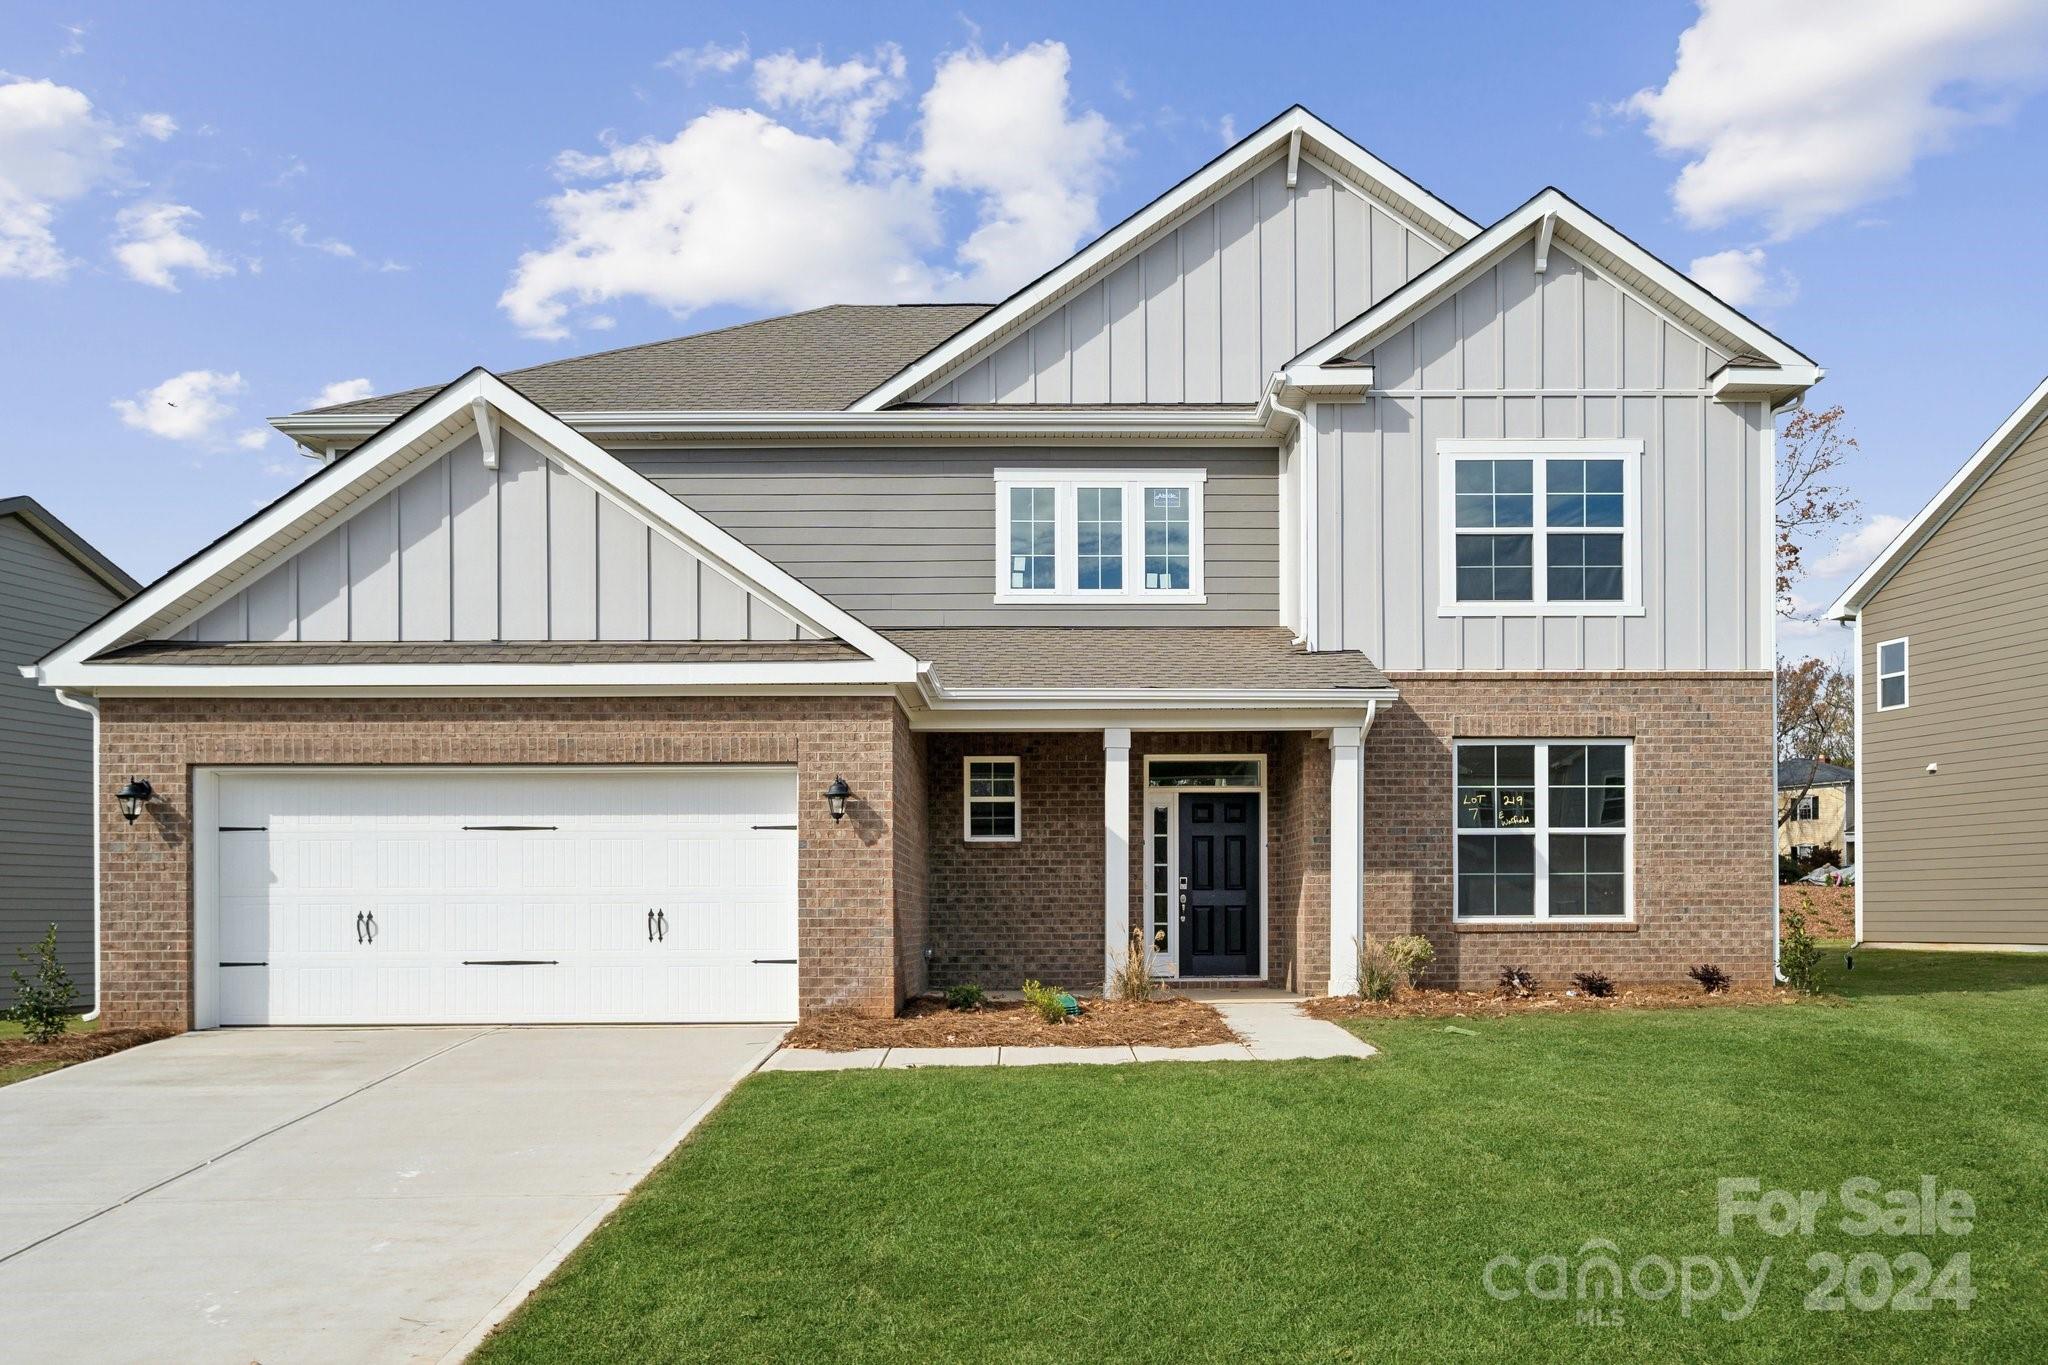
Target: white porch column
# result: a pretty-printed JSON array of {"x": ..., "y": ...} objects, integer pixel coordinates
[
  {"x": 1116, "y": 850},
  {"x": 1347, "y": 855}
]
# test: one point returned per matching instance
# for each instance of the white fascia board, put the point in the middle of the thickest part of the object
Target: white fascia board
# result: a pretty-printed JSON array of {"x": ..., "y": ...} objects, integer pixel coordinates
[
  {"x": 1456, "y": 270},
  {"x": 463, "y": 679},
  {"x": 1271, "y": 140},
  {"x": 1732, "y": 383},
  {"x": 395, "y": 442},
  {"x": 2013, "y": 431},
  {"x": 1153, "y": 698},
  {"x": 980, "y": 424}
]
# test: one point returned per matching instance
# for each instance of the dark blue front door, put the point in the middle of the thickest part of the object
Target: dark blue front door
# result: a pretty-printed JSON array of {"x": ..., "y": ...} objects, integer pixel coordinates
[{"x": 1219, "y": 884}]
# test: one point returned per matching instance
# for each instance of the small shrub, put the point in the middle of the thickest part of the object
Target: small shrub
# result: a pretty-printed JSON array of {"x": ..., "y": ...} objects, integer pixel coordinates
[
  {"x": 43, "y": 999},
  {"x": 1376, "y": 972},
  {"x": 1132, "y": 979},
  {"x": 1798, "y": 954},
  {"x": 1411, "y": 955},
  {"x": 965, "y": 996},
  {"x": 1597, "y": 984},
  {"x": 1049, "y": 1001},
  {"x": 1710, "y": 977},
  {"x": 1517, "y": 982}
]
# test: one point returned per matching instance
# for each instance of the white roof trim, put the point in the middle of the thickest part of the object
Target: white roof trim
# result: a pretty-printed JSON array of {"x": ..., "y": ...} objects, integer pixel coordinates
[
  {"x": 2011, "y": 433},
  {"x": 63, "y": 666},
  {"x": 1454, "y": 271},
  {"x": 1274, "y": 137},
  {"x": 943, "y": 423}
]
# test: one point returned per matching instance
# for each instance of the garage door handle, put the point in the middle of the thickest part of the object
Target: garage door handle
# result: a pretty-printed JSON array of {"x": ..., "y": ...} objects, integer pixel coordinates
[
  {"x": 775, "y": 962},
  {"x": 650, "y": 926},
  {"x": 661, "y": 925},
  {"x": 359, "y": 926},
  {"x": 370, "y": 923}
]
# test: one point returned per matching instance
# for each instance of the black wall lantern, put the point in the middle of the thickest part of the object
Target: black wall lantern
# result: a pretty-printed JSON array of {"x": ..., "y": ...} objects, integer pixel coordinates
[
  {"x": 835, "y": 798},
  {"x": 133, "y": 796}
]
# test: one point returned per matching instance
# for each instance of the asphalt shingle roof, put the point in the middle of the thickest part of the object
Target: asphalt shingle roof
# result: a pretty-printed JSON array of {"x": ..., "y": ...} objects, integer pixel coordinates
[
  {"x": 1792, "y": 774},
  {"x": 816, "y": 361},
  {"x": 1245, "y": 657},
  {"x": 327, "y": 654}
]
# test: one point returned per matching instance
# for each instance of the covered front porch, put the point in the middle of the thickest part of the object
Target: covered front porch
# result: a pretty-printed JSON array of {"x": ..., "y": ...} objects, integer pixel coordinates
[{"x": 1232, "y": 857}]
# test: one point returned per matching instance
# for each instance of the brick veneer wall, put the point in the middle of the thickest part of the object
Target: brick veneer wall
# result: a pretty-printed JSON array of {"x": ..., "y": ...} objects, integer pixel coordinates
[
  {"x": 1703, "y": 815},
  {"x": 855, "y": 899},
  {"x": 912, "y": 858},
  {"x": 1002, "y": 912},
  {"x": 1300, "y": 906}
]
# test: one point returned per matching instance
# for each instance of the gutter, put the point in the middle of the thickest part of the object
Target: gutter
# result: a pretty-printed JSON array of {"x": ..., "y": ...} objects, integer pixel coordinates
[
  {"x": 938, "y": 697},
  {"x": 91, "y": 707}
]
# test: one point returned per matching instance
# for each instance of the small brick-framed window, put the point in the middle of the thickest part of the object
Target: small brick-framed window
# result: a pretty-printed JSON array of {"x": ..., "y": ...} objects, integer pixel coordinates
[{"x": 992, "y": 795}]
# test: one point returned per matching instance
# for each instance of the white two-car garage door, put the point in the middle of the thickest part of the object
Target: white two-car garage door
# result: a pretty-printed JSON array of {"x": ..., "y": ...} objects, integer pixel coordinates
[{"x": 479, "y": 895}]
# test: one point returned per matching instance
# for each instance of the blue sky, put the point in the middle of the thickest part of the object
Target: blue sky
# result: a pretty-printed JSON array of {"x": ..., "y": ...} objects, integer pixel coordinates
[{"x": 249, "y": 204}]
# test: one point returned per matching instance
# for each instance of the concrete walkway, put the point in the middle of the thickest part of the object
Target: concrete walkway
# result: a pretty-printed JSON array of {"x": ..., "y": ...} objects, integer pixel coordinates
[
  {"x": 313, "y": 1195},
  {"x": 1271, "y": 1026}
]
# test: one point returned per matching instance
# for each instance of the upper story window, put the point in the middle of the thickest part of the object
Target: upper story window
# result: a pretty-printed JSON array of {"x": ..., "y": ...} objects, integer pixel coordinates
[
  {"x": 1808, "y": 808},
  {"x": 1549, "y": 526},
  {"x": 1891, "y": 675},
  {"x": 1079, "y": 536}
]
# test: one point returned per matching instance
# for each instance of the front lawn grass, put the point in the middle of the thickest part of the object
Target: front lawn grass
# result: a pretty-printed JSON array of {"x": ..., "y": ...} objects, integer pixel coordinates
[
  {"x": 21, "y": 1071},
  {"x": 1345, "y": 1210}
]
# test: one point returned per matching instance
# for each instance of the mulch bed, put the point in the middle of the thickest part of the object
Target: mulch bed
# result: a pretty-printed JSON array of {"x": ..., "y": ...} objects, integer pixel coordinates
[
  {"x": 79, "y": 1047},
  {"x": 1101, "y": 1023},
  {"x": 1436, "y": 1004}
]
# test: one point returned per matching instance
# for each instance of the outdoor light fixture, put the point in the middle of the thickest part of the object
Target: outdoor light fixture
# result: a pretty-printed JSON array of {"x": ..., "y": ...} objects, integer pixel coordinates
[
  {"x": 133, "y": 796},
  {"x": 835, "y": 798}
]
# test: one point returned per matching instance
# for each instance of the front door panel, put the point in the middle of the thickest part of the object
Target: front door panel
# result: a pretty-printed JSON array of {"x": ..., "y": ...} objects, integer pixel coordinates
[{"x": 1219, "y": 884}]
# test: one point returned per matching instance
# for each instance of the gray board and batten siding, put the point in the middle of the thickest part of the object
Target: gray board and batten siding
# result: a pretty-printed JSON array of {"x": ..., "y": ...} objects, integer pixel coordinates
[
  {"x": 1209, "y": 308},
  {"x": 458, "y": 551},
  {"x": 1563, "y": 354},
  {"x": 906, "y": 537},
  {"x": 47, "y": 801}
]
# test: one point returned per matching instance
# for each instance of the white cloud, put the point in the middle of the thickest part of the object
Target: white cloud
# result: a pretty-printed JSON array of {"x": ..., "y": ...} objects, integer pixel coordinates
[
  {"x": 1795, "y": 113},
  {"x": 53, "y": 149},
  {"x": 190, "y": 407},
  {"x": 151, "y": 245},
  {"x": 255, "y": 438},
  {"x": 1226, "y": 128},
  {"x": 738, "y": 208},
  {"x": 342, "y": 391},
  {"x": 1854, "y": 550},
  {"x": 999, "y": 127},
  {"x": 693, "y": 61},
  {"x": 850, "y": 95},
  {"x": 159, "y": 127},
  {"x": 1741, "y": 277},
  {"x": 298, "y": 234}
]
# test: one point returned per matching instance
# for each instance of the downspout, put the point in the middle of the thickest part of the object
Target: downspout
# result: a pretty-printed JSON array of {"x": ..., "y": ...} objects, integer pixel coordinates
[
  {"x": 91, "y": 707},
  {"x": 1306, "y": 545}
]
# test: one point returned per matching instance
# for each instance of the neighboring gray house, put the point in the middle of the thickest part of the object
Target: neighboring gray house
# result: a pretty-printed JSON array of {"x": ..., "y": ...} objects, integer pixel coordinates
[
  {"x": 1299, "y": 558},
  {"x": 52, "y": 585},
  {"x": 1952, "y": 706}
]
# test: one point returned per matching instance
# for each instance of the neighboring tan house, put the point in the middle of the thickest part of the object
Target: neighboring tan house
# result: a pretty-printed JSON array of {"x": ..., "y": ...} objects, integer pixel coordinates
[
  {"x": 1299, "y": 555},
  {"x": 1952, "y": 706},
  {"x": 52, "y": 585},
  {"x": 1820, "y": 797}
]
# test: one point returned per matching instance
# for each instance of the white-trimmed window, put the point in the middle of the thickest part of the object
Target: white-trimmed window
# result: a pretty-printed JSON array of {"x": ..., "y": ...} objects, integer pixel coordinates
[
  {"x": 1891, "y": 674},
  {"x": 1808, "y": 808},
  {"x": 1079, "y": 536},
  {"x": 1551, "y": 527},
  {"x": 993, "y": 800},
  {"x": 1542, "y": 829}
]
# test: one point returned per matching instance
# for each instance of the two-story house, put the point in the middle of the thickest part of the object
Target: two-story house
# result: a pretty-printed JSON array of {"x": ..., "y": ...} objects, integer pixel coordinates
[{"x": 1299, "y": 559}]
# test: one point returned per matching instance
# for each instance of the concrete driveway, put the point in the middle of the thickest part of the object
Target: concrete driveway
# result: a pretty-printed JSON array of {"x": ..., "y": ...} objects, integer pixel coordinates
[{"x": 327, "y": 1194}]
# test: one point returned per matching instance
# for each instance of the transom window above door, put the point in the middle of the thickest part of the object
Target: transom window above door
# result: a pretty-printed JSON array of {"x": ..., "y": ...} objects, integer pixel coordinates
[
  {"x": 1083, "y": 536},
  {"x": 1546, "y": 527}
]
